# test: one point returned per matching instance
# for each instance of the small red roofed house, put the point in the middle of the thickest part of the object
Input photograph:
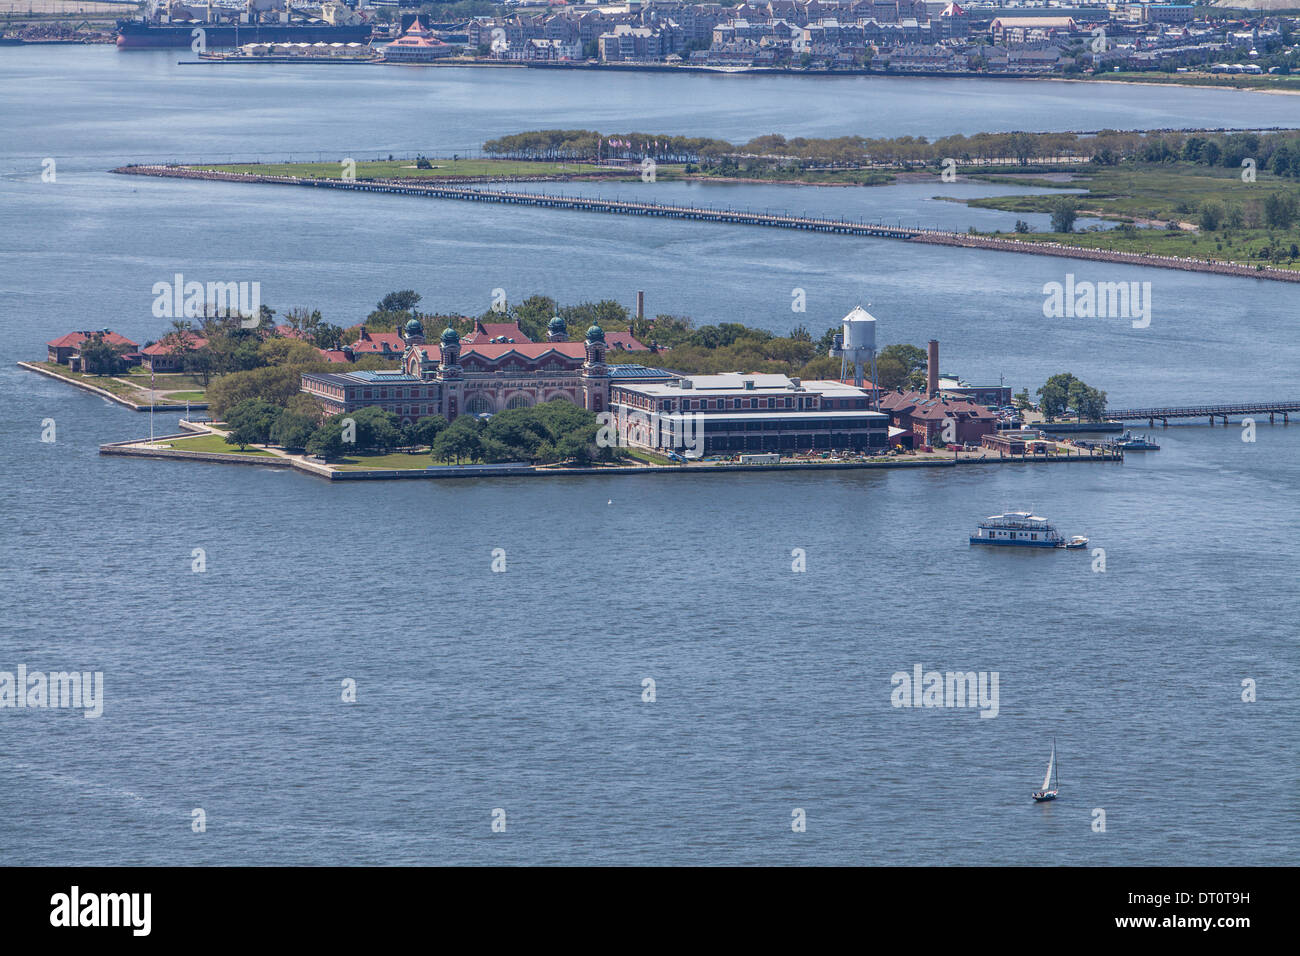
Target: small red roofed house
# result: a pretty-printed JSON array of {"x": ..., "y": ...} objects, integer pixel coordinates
[
  {"x": 496, "y": 332},
  {"x": 289, "y": 332},
  {"x": 337, "y": 356},
  {"x": 65, "y": 347},
  {"x": 624, "y": 341},
  {"x": 168, "y": 353},
  {"x": 388, "y": 344}
]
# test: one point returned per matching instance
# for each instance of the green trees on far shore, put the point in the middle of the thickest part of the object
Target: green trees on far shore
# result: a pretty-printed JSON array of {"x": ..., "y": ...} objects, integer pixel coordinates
[{"x": 1063, "y": 392}]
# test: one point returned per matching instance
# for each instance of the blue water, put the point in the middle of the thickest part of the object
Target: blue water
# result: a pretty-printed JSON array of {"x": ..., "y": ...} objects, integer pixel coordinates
[{"x": 522, "y": 690}]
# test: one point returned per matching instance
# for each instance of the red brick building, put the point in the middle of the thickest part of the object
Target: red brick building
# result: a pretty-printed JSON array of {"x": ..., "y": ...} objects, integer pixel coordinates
[
  {"x": 168, "y": 353},
  {"x": 925, "y": 418},
  {"x": 452, "y": 378},
  {"x": 67, "y": 347}
]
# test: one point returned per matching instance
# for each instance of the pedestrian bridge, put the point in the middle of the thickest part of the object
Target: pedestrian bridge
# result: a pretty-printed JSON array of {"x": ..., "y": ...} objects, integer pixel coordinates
[{"x": 1225, "y": 412}]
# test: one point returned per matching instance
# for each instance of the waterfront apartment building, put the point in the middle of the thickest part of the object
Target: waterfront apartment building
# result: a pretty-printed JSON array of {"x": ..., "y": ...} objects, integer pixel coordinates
[{"x": 729, "y": 413}]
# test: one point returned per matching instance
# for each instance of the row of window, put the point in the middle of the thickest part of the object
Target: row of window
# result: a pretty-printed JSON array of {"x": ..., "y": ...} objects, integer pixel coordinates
[
  {"x": 775, "y": 425},
  {"x": 792, "y": 442}
]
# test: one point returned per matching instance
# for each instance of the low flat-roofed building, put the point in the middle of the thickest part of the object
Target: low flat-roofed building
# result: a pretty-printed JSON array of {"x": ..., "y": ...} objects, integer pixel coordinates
[
  {"x": 734, "y": 412},
  {"x": 1023, "y": 442}
]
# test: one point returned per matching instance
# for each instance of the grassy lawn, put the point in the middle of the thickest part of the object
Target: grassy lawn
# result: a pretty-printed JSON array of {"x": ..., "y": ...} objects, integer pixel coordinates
[
  {"x": 174, "y": 397},
  {"x": 107, "y": 383},
  {"x": 405, "y": 169},
  {"x": 214, "y": 443},
  {"x": 164, "y": 380},
  {"x": 1166, "y": 193},
  {"x": 649, "y": 457},
  {"x": 1263, "y": 81},
  {"x": 395, "y": 461}
]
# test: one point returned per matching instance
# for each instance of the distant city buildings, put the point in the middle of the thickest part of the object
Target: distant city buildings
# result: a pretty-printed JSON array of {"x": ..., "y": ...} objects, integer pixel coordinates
[{"x": 918, "y": 36}]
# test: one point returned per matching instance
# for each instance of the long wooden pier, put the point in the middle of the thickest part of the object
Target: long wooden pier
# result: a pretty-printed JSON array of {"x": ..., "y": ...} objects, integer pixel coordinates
[
  {"x": 1225, "y": 412},
  {"x": 746, "y": 217}
]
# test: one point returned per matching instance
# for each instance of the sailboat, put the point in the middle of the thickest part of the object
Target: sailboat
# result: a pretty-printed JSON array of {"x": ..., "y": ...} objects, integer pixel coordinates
[{"x": 1045, "y": 793}]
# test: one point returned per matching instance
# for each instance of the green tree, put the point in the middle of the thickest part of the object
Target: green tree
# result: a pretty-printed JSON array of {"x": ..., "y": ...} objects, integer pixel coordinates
[
  {"x": 915, "y": 359},
  {"x": 276, "y": 385},
  {"x": 1054, "y": 396},
  {"x": 292, "y": 431},
  {"x": 403, "y": 301},
  {"x": 1064, "y": 213},
  {"x": 426, "y": 430},
  {"x": 376, "y": 429},
  {"x": 1212, "y": 215},
  {"x": 1279, "y": 210},
  {"x": 460, "y": 441},
  {"x": 251, "y": 421},
  {"x": 891, "y": 372},
  {"x": 327, "y": 441},
  {"x": 1087, "y": 402},
  {"x": 327, "y": 336},
  {"x": 99, "y": 357}
]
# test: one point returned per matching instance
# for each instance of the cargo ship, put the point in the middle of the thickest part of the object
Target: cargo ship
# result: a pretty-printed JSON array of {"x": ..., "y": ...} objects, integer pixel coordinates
[{"x": 255, "y": 21}]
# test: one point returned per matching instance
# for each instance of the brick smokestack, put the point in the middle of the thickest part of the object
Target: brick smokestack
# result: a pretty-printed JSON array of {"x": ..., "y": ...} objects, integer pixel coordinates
[
  {"x": 932, "y": 372},
  {"x": 640, "y": 304}
]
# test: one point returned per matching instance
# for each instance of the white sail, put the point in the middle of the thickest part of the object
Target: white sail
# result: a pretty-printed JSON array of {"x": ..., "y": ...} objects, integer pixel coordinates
[{"x": 1050, "y": 760}]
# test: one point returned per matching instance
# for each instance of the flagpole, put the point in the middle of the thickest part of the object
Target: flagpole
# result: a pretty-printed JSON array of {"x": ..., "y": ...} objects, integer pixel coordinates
[{"x": 152, "y": 401}]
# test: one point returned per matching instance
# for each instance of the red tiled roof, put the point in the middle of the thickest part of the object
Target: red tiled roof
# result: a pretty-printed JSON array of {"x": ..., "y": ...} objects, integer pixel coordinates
[
  {"x": 374, "y": 342},
  {"x": 73, "y": 339},
  {"x": 625, "y": 341},
  {"x": 168, "y": 344},
  {"x": 334, "y": 355},
  {"x": 527, "y": 350},
  {"x": 289, "y": 332},
  {"x": 921, "y": 406},
  {"x": 484, "y": 331}
]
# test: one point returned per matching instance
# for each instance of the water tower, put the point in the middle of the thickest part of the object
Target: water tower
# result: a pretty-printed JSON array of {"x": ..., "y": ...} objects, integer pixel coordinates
[{"x": 856, "y": 346}]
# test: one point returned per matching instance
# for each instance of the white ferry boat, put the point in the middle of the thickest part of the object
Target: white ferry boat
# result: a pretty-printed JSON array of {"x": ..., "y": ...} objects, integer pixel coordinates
[{"x": 1021, "y": 529}]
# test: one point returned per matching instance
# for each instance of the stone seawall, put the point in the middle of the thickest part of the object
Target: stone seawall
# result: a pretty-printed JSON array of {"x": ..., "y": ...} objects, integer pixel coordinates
[
  {"x": 104, "y": 393},
  {"x": 1107, "y": 255}
]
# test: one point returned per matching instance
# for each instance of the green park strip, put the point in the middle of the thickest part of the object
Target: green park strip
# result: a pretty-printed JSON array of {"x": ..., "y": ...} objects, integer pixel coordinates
[
  {"x": 649, "y": 457},
  {"x": 407, "y": 169},
  {"x": 105, "y": 382},
  {"x": 1264, "y": 81},
  {"x": 212, "y": 444},
  {"x": 1172, "y": 209},
  {"x": 394, "y": 461}
]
